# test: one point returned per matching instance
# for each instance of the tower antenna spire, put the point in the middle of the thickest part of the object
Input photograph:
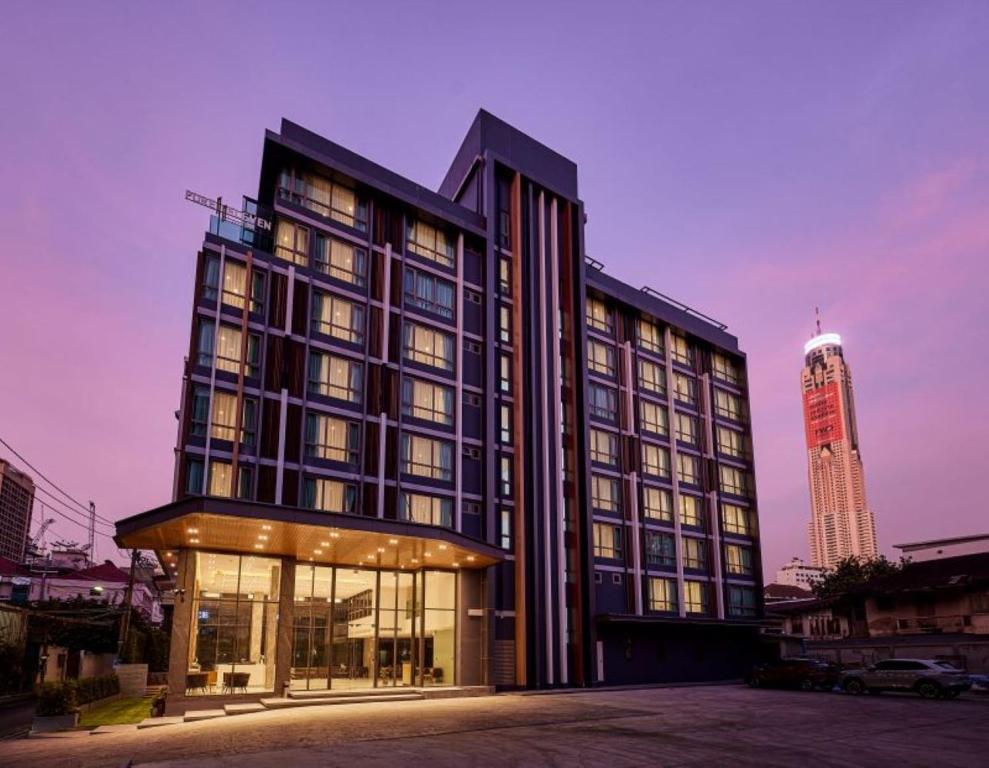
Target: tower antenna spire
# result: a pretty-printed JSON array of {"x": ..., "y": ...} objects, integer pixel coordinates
[{"x": 817, "y": 315}]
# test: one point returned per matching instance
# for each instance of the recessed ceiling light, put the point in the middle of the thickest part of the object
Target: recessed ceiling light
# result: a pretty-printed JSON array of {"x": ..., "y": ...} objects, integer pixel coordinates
[
  {"x": 259, "y": 546},
  {"x": 334, "y": 534},
  {"x": 442, "y": 546},
  {"x": 192, "y": 530},
  {"x": 381, "y": 549},
  {"x": 470, "y": 558},
  {"x": 456, "y": 565},
  {"x": 265, "y": 527},
  {"x": 428, "y": 554},
  {"x": 324, "y": 543},
  {"x": 415, "y": 559},
  {"x": 262, "y": 537},
  {"x": 393, "y": 541},
  {"x": 317, "y": 551},
  {"x": 193, "y": 541}
]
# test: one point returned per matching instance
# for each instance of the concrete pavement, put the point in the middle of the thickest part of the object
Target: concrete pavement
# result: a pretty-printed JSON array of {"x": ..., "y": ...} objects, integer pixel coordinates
[{"x": 668, "y": 726}]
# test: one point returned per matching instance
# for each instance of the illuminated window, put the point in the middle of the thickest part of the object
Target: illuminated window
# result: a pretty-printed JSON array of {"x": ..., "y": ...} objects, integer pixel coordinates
[
  {"x": 602, "y": 401},
  {"x": 733, "y": 481},
  {"x": 694, "y": 554},
  {"x": 431, "y": 243},
  {"x": 505, "y": 425},
  {"x": 725, "y": 369},
  {"x": 505, "y": 373},
  {"x": 684, "y": 389},
  {"x": 505, "y": 477},
  {"x": 650, "y": 337},
  {"x": 328, "y": 495},
  {"x": 220, "y": 478},
  {"x": 607, "y": 541},
  {"x": 657, "y": 503},
  {"x": 688, "y": 469},
  {"x": 505, "y": 276},
  {"x": 653, "y": 418},
  {"x": 228, "y": 349},
  {"x": 505, "y": 529},
  {"x": 652, "y": 377},
  {"x": 604, "y": 447},
  {"x": 335, "y": 377},
  {"x": 427, "y": 510},
  {"x": 337, "y": 317},
  {"x": 735, "y": 519},
  {"x": 662, "y": 595},
  {"x": 428, "y": 292},
  {"x": 686, "y": 429},
  {"x": 327, "y": 198},
  {"x": 731, "y": 443},
  {"x": 681, "y": 352},
  {"x": 655, "y": 460},
  {"x": 728, "y": 405},
  {"x": 505, "y": 324},
  {"x": 292, "y": 242},
  {"x": 332, "y": 438},
  {"x": 234, "y": 284},
  {"x": 604, "y": 493},
  {"x": 691, "y": 511},
  {"x": 224, "y": 425},
  {"x": 598, "y": 315},
  {"x": 738, "y": 560},
  {"x": 660, "y": 549},
  {"x": 428, "y": 401},
  {"x": 428, "y": 346},
  {"x": 425, "y": 457},
  {"x": 600, "y": 357},
  {"x": 340, "y": 260},
  {"x": 695, "y": 596}
]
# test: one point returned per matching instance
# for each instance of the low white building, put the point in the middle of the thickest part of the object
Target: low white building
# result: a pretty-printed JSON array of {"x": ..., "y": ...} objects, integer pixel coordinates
[
  {"x": 797, "y": 573},
  {"x": 937, "y": 549}
]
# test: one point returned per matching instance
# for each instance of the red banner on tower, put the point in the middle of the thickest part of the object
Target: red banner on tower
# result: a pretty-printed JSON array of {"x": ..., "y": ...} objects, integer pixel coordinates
[{"x": 822, "y": 415}]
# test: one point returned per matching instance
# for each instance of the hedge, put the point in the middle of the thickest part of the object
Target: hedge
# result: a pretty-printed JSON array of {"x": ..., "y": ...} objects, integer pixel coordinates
[{"x": 60, "y": 697}]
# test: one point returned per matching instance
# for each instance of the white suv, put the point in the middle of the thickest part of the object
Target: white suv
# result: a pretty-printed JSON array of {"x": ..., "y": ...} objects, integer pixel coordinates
[{"x": 931, "y": 679}]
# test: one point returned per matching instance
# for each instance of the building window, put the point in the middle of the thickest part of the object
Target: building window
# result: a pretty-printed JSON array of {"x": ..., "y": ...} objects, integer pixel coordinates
[
  {"x": 427, "y": 401},
  {"x": 652, "y": 377},
  {"x": 428, "y": 292},
  {"x": 604, "y": 493},
  {"x": 607, "y": 541},
  {"x": 505, "y": 324},
  {"x": 199, "y": 418},
  {"x": 731, "y": 443},
  {"x": 725, "y": 369},
  {"x": 688, "y": 469},
  {"x": 431, "y": 243},
  {"x": 657, "y": 503},
  {"x": 428, "y": 346},
  {"x": 224, "y": 421},
  {"x": 211, "y": 276},
  {"x": 660, "y": 549},
  {"x": 194, "y": 476},
  {"x": 738, "y": 560},
  {"x": 600, "y": 357},
  {"x": 733, "y": 481},
  {"x": 650, "y": 337},
  {"x": 602, "y": 401},
  {"x": 695, "y": 596},
  {"x": 425, "y": 457},
  {"x": 686, "y": 429},
  {"x": 655, "y": 460},
  {"x": 505, "y": 425},
  {"x": 505, "y": 529},
  {"x": 663, "y": 595},
  {"x": 505, "y": 373},
  {"x": 691, "y": 512},
  {"x": 604, "y": 447},
  {"x": 220, "y": 478},
  {"x": 228, "y": 349},
  {"x": 681, "y": 351},
  {"x": 427, "y": 510},
  {"x": 505, "y": 276},
  {"x": 735, "y": 519},
  {"x": 234, "y": 284},
  {"x": 332, "y": 438},
  {"x": 742, "y": 601},
  {"x": 327, "y": 198},
  {"x": 340, "y": 260},
  {"x": 328, "y": 495},
  {"x": 653, "y": 418},
  {"x": 694, "y": 554},
  {"x": 599, "y": 316},
  {"x": 257, "y": 292},
  {"x": 505, "y": 477},
  {"x": 336, "y": 317},
  {"x": 728, "y": 405},
  {"x": 292, "y": 242},
  {"x": 335, "y": 377},
  {"x": 245, "y": 482},
  {"x": 684, "y": 389}
]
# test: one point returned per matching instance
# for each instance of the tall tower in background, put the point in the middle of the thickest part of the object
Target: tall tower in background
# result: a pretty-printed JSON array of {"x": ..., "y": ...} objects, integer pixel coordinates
[{"x": 841, "y": 523}]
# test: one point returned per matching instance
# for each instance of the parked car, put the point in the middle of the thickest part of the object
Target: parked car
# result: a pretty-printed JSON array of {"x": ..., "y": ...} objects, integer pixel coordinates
[
  {"x": 928, "y": 677},
  {"x": 980, "y": 683},
  {"x": 803, "y": 673}
]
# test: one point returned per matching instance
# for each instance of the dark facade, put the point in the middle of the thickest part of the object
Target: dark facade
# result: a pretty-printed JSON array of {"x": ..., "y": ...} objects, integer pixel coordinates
[
  {"x": 16, "y": 503},
  {"x": 365, "y": 347}
]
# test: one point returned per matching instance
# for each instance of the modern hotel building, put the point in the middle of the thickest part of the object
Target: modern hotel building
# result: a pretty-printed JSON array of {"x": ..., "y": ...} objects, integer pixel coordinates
[{"x": 425, "y": 440}]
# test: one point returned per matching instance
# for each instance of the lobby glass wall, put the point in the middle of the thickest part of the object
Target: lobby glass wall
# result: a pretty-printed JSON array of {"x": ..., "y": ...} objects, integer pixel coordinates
[
  {"x": 235, "y": 615},
  {"x": 358, "y": 628}
]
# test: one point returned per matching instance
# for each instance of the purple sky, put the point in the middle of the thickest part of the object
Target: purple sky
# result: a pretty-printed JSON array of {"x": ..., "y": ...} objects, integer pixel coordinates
[{"x": 751, "y": 159}]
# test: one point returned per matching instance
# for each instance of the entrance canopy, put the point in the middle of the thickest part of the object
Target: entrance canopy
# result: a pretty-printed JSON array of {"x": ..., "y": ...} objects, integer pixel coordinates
[{"x": 246, "y": 527}]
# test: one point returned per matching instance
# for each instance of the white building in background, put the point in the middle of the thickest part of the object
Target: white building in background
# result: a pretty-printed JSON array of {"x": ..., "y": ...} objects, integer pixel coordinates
[
  {"x": 937, "y": 549},
  {"x": 797, "y": 573}
]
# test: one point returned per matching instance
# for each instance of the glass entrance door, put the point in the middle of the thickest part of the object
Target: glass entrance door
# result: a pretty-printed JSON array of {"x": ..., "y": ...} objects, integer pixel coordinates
[{"x": 311, "y": 627}]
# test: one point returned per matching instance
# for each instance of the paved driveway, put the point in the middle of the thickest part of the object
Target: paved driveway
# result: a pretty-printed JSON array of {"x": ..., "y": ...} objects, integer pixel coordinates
[{"x": 702, "y": 726}]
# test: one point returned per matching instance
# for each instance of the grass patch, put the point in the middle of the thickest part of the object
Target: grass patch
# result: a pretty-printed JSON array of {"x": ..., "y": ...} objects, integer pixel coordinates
[{"x": 117, "y": 712}]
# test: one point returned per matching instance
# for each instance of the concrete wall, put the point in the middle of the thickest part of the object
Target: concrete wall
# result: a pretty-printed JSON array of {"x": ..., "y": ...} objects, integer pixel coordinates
[
  {"x": 972, "y": 654},
  {"x": 472, "y": 664}
]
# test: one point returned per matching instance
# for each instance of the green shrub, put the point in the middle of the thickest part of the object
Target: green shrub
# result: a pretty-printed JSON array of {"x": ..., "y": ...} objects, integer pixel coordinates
[
  {"x": 57, "y": 698},
  {"x": 96, "y": 688}
]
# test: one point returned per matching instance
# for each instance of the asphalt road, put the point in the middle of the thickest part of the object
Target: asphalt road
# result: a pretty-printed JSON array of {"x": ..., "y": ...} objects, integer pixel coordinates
[
  {"x": 701, "y": 726},
  {"x": 15, "y": 718}
]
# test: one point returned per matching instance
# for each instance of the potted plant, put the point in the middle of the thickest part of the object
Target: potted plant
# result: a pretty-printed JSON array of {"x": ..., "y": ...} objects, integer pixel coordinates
[{"x": 57, "y": 709}]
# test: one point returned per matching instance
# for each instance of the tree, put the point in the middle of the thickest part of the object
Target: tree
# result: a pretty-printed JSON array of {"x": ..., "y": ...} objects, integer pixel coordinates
[{"x": 852, "y": 573}]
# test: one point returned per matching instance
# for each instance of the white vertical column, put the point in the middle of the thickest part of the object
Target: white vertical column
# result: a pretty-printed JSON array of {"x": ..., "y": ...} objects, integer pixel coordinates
[
  {"x": 383, "y": 416},
  {"x": 458, "y": 397},
  {"x": 212, "y": 369},
  {"x": 628, "y": 428},
  {"x": 557, "y": 401},
  {"x": 712, "y": 497},
  {"x": 667, "y": 341},
  {"x": 546, "y": 397}
]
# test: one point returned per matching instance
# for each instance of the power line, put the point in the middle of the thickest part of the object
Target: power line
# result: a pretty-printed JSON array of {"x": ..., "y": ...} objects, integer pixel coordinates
[
  {"x": 60, "y": 513},
  {"x": 54, "y": 485},
  {"x": 84, "y": 522}
]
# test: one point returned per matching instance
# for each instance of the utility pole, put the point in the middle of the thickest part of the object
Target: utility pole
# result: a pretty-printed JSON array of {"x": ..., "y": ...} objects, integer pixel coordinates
[
  {"x": 128, "y": 600},
  {"x": 92, "y": 531}
]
